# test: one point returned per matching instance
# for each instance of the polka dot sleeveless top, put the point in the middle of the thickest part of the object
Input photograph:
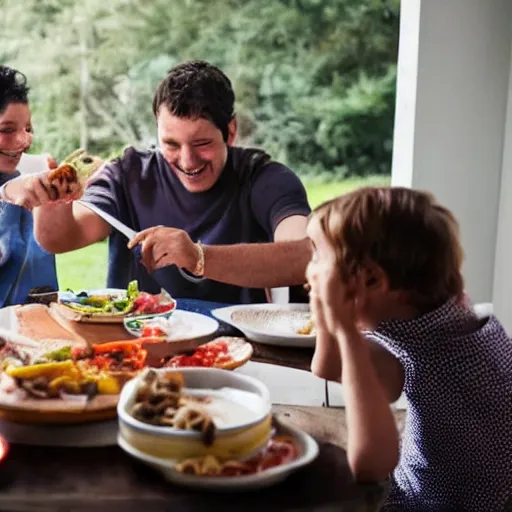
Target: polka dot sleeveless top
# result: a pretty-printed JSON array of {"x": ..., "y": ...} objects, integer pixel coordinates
[{"x": 456, "y": 452}]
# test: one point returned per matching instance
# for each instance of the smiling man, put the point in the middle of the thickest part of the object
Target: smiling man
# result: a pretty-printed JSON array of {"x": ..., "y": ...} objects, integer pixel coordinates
[{"x": 215, "y": 221}]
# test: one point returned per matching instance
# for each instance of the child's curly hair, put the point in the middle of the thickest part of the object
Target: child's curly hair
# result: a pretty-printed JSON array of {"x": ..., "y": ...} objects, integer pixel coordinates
[
  {"x": 412, "y": 238},
  {"x": 13, "y": 87}
]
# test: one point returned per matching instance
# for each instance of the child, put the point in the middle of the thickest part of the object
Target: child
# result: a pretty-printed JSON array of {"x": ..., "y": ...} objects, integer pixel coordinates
[
  {"x": 23, "y": 264},
  {"x": 388, "y": 261}
]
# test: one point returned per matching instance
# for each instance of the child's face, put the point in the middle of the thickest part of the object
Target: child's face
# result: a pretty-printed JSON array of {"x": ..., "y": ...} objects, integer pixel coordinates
[{"x": 374, "y": 300}]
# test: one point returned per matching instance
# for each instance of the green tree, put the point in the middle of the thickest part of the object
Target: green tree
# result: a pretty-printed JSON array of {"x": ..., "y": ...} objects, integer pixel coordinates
[{"x": 315, "y": 79}]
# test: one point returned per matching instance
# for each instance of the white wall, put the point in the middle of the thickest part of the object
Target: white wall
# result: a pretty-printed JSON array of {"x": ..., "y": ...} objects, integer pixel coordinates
[{"x": 454, "y": 64}]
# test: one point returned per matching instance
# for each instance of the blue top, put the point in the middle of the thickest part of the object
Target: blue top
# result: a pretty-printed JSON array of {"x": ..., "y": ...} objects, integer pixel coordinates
[
  {"x": 23, "y": 263},
  {"x": 456, "y": 451},
  {"x": 252, "y": 196}
]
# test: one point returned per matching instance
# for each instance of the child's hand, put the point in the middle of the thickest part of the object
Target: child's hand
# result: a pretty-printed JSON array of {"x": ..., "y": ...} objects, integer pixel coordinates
[{"x": 333, "y": 304}]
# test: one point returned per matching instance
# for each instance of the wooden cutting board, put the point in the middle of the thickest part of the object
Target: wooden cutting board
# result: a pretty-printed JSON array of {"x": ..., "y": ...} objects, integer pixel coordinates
[{"x": 38, "y": 322}]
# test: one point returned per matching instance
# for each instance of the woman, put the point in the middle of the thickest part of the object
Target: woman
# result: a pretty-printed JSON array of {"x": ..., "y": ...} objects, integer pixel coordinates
[{"x": 23, "y": 264}]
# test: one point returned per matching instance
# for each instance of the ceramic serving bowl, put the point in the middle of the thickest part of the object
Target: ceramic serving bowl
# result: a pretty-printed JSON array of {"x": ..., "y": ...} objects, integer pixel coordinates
[{"x": 242, "y": 415}]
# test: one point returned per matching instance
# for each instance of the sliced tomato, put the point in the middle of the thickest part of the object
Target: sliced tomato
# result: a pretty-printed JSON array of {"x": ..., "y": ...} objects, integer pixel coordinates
[
  {"x": 279, "y": 451},
  {"x": 78, "y": 353},
  {"x": 207, "y": 355},
  {"x": 150, "y": 331}
]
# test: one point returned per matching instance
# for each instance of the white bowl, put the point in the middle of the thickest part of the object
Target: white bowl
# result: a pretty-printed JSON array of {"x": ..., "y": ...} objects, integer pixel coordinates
[
  {"x": 236, "y": 441},
  {"x": 182, "y": 325},
  {"x": 307, "y": 447},
  {"x": 271, "y": 324}
]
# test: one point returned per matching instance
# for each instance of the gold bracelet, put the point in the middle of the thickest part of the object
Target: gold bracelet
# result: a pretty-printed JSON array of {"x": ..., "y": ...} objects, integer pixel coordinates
[{"x": 199, "y": 270}]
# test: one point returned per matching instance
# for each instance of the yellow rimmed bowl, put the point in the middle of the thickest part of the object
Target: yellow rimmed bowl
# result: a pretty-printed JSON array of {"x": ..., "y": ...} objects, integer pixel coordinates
[{"x": 239, "y": 438}]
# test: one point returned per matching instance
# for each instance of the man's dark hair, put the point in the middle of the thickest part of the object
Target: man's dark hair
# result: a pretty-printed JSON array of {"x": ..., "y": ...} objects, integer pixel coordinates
[
  {"x": 197, "y": 89},
  {"x": 13, "y": 87}
]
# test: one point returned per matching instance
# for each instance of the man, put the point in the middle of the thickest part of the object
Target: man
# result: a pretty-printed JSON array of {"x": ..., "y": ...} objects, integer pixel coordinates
[{"x": 225, "y": 222}]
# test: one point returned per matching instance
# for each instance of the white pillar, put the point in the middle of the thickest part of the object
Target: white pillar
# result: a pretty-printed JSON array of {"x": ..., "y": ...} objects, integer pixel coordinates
[
  {"x": 502, "y": 292},
  {"x": 453, "y": 74}
]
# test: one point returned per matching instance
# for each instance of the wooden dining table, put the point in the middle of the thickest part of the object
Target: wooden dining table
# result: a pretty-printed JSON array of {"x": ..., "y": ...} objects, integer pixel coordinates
[
  {"x": 50, "y": 479},
  {"x": 105, "y": 479}
]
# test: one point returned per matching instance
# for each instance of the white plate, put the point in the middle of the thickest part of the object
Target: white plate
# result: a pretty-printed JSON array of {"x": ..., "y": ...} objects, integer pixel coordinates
[
  {"x": 308, "y": 451},
  {"x": 272, "y": 324},
  {"x": 185, "y": 325},
  {"x": 8, "y": 318},
  {"x": 65, "y": 296}
]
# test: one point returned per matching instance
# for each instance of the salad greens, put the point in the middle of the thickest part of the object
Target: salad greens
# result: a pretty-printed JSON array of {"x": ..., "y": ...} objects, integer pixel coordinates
[
  {"x": 132, "y": 302},
  {"x": 105, "y": 303}
]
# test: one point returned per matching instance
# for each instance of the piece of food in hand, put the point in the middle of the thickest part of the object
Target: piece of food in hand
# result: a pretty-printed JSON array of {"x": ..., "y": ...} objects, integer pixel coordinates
[{"x": 75, "y": 168}]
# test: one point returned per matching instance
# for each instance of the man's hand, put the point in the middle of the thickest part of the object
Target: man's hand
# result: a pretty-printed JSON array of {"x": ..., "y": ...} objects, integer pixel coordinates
[
  {"x": 161, "y": 246},
  {"x": 35, "y": 190}
]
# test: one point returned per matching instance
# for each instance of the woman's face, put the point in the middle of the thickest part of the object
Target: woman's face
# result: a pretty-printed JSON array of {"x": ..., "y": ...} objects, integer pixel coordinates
[{"x": 15, "y": 135}]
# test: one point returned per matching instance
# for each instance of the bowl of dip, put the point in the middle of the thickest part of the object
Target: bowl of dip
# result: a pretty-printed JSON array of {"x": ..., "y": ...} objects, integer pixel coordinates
[{"x": 237, "y": 405}]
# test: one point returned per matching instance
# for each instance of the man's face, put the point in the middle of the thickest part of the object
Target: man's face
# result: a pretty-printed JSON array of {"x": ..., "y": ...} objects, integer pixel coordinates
[
  {"x": 194, "y": 148},
  {"x": 15, "y": 135}
]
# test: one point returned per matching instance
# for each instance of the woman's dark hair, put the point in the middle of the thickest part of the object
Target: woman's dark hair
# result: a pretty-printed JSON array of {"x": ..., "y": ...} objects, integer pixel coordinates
[
  {"x": 197, "y": 89},
  {"x": 13, "y": 87}
]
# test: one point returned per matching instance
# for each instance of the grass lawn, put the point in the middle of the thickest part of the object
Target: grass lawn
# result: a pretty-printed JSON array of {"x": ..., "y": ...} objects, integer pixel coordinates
[
  {"x": 87, "y": 268},
  {"x": 320, "y": 192}
]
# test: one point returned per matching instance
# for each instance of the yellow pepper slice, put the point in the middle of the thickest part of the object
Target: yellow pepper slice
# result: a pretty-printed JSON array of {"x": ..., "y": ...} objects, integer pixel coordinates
[
  {"x": 108, "y": 385},
  {"x": 50, "y": 370},
  {"x": 66, "y": 382}
]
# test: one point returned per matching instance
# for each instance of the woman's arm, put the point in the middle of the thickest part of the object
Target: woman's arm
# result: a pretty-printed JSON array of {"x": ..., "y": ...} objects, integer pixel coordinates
[{"x": 373, "y": 443}]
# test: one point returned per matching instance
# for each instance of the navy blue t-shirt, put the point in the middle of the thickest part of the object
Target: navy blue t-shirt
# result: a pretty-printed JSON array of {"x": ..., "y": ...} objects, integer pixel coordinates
[{"x": 252, "y": 196}]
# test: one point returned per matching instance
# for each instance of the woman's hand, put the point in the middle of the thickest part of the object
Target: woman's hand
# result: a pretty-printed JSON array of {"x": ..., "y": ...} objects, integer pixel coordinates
[
  {"x": 162, "y": 246},
  {"x": 33, "y": 190}
]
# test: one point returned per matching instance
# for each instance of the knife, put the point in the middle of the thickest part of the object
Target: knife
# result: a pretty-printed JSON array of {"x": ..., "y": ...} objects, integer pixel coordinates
[
  {"x": 122, "y": 228},
  {"x": 130, "y": 233}
]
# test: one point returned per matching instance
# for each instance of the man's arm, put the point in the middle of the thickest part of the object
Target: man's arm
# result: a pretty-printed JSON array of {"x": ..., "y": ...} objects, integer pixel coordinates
[
  {"x": 252, "y": 265},
  {"x": 291, "y": 228},
  {"x": 64, "y": 227},
  {"x": 60, "y": 225},
  {"x": 269, "y": 265}
]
